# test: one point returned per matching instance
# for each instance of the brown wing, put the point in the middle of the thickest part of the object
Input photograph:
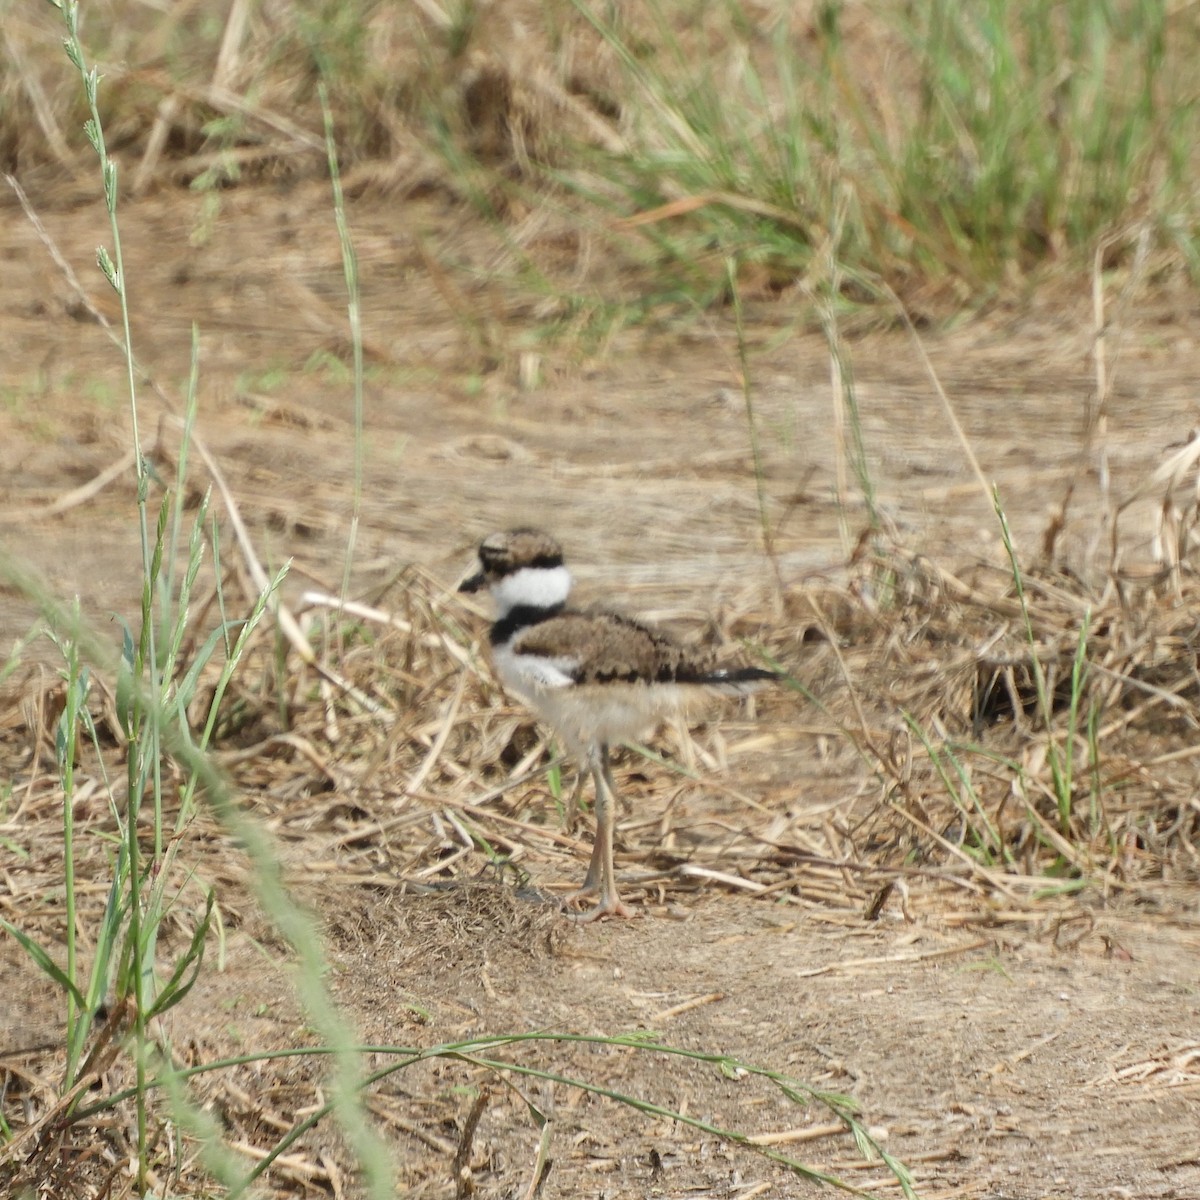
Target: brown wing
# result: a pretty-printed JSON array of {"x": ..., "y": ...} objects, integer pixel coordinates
[{"x": 602, "y": 647}]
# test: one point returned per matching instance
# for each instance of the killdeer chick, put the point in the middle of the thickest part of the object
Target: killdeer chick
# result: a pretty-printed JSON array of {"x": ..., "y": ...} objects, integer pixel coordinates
[{"x": 595, "y": 677}]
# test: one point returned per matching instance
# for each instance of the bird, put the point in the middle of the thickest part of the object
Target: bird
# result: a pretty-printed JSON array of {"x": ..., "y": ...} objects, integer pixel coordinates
[{"x": 595, "y": 676}]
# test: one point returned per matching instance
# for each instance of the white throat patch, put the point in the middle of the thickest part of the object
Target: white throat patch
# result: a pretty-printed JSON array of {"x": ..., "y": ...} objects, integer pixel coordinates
[{"x": 531, "y": 587}]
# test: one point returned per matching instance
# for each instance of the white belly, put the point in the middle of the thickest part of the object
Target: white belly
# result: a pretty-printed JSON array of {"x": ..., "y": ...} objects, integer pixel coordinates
[{"x": 587, "y": 714}]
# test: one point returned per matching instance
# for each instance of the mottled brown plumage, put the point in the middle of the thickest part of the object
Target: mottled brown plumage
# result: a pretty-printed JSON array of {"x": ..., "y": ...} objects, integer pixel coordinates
[{"x": 611, "y": 648}]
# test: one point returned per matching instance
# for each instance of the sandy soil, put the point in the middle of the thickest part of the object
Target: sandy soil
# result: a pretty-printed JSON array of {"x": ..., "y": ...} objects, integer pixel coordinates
[{"x": 998, "y": 1054}]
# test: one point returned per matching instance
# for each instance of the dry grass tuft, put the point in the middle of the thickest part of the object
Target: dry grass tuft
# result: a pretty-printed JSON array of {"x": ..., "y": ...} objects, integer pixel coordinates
[
  {"x": 424, "y": 776},
  {"x": 458, "y": 923},
  {"x": 972, "y": 778},
  {"x": 420, "y": 797}
]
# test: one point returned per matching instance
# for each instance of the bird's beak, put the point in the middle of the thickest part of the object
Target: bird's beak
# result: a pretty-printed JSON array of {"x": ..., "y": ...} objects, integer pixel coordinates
[{"x": 472, "y": 583}]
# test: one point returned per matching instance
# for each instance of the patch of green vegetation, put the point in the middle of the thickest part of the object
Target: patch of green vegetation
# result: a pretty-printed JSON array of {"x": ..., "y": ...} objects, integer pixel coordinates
[
  {"x": 975, "y": 148},
  {"x": 976, "y": 142},
  {"x": 329, "y": 367},
  {"x": 990, "y": 965},
  {"x": 265, "y": 380},
  {"x": 102, "y": 395}
]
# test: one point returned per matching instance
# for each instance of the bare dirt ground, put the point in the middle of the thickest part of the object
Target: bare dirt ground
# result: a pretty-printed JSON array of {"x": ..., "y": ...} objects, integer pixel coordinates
[{"x": 1001, "y": 1050}]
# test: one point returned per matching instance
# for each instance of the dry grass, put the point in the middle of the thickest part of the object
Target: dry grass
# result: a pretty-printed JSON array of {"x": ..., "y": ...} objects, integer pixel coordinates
[
  {"x": 377, "y": 749},
  {"x": 417, "y": 776},
  {"x": 960, "y": 663},
  {"x": 414, "y": 770}
]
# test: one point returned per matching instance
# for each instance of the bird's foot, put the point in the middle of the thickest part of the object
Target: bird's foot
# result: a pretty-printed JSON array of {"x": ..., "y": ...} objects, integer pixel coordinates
[{"x": 609, "y": 905}]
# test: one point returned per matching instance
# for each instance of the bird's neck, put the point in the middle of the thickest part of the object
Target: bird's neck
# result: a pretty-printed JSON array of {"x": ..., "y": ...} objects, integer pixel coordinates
[{"x": 538, "y": 589}]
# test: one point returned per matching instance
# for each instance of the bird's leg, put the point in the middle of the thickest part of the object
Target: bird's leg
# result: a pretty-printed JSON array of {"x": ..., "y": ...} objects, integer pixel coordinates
[
  {"x": 606, "y": 769},
  {"x": 576, "y": 804},
  {"x": 589, "y": 767},
  {"x": 606, "y": 791},
  {"x": 591, "y": 881},
  {"x": 601, "y": 873}
]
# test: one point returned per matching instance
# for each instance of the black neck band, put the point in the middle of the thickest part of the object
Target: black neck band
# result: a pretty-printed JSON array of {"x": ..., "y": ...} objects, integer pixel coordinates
[{"x": 520, "y": 618}]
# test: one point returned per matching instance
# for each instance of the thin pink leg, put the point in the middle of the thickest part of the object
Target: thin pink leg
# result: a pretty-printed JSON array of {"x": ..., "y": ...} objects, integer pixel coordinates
[{"x": 601, "y": 872}]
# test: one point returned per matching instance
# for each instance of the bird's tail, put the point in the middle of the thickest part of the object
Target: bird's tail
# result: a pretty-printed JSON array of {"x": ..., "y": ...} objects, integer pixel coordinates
[{"x": 735, "y": 681}]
